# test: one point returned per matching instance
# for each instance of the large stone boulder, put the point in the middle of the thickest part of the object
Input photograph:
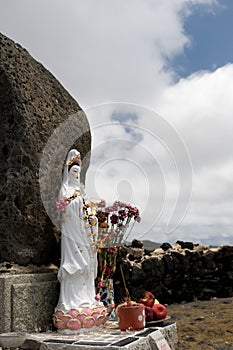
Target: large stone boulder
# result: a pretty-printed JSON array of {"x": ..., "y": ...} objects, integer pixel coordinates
[{"x": 34, "y": 109}]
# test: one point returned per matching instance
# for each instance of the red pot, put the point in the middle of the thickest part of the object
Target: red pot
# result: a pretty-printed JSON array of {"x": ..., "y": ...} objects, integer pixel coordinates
[{"x": 131, "y": 317}]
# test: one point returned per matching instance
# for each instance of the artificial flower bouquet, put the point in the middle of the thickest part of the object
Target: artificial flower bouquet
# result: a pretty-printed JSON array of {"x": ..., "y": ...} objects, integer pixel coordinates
[{"x": 115, "y": 223}]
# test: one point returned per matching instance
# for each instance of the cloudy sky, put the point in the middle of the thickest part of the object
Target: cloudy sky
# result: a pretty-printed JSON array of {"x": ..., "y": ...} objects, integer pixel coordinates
[{"x": 155, "y": 78}]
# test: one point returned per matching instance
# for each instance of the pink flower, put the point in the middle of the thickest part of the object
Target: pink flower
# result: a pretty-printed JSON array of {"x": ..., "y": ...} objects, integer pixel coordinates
[
  {"x": 108, "y": 271},
  {"x": 97, "y": 297},
  {"x": 113, "y": 250},
  {"x": 61, "y": 204}
]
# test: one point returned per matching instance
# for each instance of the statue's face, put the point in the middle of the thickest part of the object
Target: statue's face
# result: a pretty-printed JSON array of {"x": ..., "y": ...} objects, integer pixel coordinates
[{"x": 74, "y": 173}]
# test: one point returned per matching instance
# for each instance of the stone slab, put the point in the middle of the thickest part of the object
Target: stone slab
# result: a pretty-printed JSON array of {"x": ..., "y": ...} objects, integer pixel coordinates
[
  {"x": 27, "y": 301},
  {"x": 170, "y": 334},
  {"x": 106, "y": 337},
  {"x": 158, "y": 342}
]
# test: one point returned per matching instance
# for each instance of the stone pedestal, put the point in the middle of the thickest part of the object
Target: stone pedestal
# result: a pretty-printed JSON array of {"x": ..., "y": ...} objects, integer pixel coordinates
[{"x": 27, "y": 301}]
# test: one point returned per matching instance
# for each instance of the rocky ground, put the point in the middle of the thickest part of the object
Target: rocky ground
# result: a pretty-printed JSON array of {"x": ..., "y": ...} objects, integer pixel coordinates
[{"x": 204, "y": 324}]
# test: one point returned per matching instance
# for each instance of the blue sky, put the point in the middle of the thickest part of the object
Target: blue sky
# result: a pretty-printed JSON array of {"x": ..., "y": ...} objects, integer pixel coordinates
[
  {"x": 165, "y": 68},
  {"x": 211, "y": 40}
]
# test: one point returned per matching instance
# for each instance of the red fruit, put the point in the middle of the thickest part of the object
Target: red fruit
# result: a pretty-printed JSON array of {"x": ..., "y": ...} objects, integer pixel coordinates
[
  {"x": 160, "y": 311},
  {"x": 149, "y": 314},
  {"x": 148, "y": 299}
]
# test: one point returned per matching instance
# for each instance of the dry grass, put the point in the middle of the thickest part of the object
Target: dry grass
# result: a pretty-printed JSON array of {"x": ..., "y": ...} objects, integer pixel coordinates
[{"x": 204, "y": 324}]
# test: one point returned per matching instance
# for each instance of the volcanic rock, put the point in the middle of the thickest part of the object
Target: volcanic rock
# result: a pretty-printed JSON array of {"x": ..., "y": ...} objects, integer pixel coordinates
[
  {"x": 137, "y": 244},
  {"x": 165, "y": 246},
  {"x": 35, "y": 110}
]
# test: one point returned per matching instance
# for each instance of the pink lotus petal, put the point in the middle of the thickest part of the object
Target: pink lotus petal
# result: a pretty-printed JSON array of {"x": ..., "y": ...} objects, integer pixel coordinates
[
  {"x": 99, "y": 320},
  {"x": 88, "y": 322},
  {"x": 73, "y": 313},
  {"x": 87, "y": 311},
  {"x": 65, "y": 318},
  {"x": 95, "y": 315},
  {"x": 81, "y": 318},
  {"x": 59, "y": 324},
  {"x": 59, "y": 313},
  {"x": 74, "y": 324}
]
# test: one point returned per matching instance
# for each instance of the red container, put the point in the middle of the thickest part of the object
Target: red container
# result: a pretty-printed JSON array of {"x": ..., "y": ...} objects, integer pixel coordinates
[{"x": 131, "y": 317}]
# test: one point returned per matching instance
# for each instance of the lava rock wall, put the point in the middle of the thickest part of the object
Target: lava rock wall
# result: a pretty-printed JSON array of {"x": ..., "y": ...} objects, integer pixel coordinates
[
  {"x": 176, "y": 274},
  {"x": 33, "y": 105}
]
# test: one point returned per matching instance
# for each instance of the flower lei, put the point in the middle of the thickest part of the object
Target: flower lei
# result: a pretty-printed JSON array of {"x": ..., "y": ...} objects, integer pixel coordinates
[
  {"x": 64, "y": 201},
  {"x": 88, "y": 217}
]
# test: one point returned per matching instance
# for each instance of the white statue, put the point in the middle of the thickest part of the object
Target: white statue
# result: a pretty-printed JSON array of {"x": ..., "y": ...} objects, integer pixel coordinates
[{"x": 77, "y": 308}]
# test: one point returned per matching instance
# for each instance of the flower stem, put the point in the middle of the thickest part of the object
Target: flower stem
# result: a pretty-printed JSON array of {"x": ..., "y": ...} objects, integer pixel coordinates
[{"x": 126, "y": 289}]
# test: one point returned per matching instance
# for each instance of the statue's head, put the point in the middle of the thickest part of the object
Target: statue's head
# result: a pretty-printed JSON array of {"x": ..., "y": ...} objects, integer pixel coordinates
[
  {"x": 72, "y": 170},
  {"x": 74, "y": 160},
  {"x": 74, "y": 174}
]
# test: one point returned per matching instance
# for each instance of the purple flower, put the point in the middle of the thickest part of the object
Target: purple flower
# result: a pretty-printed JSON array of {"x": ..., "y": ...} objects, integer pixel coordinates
[
  {"x": 122, "y": 214},
  {"x": 123, "y": 205},
  {"x": 116, "y": 205},
  {"x": 133, "y": 211},
  {"x": 109, "y": 209},
  {"x": 102, "y": 203},
  {"x": 120, "y": 226},
  {"x": 114, "y": 219}
]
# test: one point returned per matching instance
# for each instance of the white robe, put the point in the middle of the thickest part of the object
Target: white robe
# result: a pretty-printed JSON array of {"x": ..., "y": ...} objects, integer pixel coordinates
[{"x": 78, "y": 267}]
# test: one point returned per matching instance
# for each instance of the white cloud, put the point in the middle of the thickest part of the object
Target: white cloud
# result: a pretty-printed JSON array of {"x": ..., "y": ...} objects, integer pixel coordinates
[
  {"x": 102, "y": 51},
  {"x": 120, "y": 51},
  {"x": 200, "y": 107}
]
